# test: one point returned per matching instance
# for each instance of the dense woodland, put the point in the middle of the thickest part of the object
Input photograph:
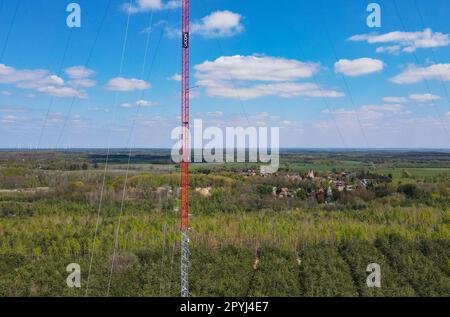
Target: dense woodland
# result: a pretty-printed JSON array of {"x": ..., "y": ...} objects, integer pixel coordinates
[{"x": 287, "y": 234}]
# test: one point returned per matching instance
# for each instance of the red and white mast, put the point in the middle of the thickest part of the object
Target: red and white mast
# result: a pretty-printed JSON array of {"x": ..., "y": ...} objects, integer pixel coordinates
[{"x": 185, "y": 150}]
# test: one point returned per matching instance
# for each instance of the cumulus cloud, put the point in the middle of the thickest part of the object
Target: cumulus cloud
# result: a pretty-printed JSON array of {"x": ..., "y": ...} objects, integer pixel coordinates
[
  {"x": 62, "y": 92},
  {"x": 83, "y": 82},
  {"x": 424, "y": 97},
  {"x": 285, "y": 122},
  {"x": 148, "y": 5},
  {"x": 12, "y": 109},
  {"x": 404, "y": 41},
  {"x": 145, "y": 103},
  {"x": 413, "y": 74},
  {"x": 413, "y": 97},
  {"x": 99, "y": 109},
  {"x": 258, "y": 68},
  {"x": 11, "y": 75},
  {"x": 218, "y": 24},
  {"x": 219, "y": 119},
  {"x": 40, "y": 80},
  {"x": 389, "y": 130},
  {"x": 215, "y": 113},
  {"x": 8, "y": 119},
  {"x": 175, "y": 77},
  {"x": 368, "y": 112},
  {"x": 139, "y": 103},
  {"x": 51, "y": 80},
  {"x": 392, "y": 49},
  {"x": 395, "y": 99},
  {"x": 358, "y": 67},
  {"x": 78, "y": 72},
  {"x": 250, "y": 77},
  {"x": 284, "y": 90},
  {"x": 215, "y": 25},
  {"x": 126, "y": 84},
  {"x": 127, "y": 105},
  {"x": 387, "y": 107}
]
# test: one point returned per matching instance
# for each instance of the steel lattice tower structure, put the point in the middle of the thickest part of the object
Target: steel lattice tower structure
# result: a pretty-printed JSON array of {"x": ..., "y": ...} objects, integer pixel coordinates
[{"x": 185, "y": 150}]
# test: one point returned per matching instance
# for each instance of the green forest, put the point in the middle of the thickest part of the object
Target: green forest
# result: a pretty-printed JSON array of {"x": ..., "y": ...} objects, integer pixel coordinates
[{"x": 311, "y": 229}]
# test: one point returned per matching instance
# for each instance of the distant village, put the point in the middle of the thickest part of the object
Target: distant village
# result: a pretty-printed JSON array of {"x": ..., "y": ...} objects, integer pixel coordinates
[
  {"x": 325, "y": 184},
  {"x": 321, "y": 187}
]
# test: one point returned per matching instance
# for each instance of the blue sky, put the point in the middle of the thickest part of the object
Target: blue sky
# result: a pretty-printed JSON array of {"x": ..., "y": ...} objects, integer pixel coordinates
[{"x": 313, "y": 68}]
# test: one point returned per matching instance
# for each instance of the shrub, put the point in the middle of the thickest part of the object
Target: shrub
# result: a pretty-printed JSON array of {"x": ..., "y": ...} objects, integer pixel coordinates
[
  {"x": 411, "y": 191},
  {"x": 263, "y": 189}
]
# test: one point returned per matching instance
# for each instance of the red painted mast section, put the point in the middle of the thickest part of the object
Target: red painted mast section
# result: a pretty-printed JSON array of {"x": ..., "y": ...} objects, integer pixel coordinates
[{"x": 185, "y": 149}]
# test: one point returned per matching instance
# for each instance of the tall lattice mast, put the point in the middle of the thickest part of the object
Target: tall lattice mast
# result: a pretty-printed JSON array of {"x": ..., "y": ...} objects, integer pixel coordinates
[{"x": 185, "y": 150}]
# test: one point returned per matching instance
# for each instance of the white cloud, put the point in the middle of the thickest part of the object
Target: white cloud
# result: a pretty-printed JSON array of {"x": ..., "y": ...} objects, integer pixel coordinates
[
  {"x": 78, "y": 72},
  {"x": 11, "y": 75},
  {"x": 139, "y": 103},
  {"x": 99, "y": 109},
  {"x": 80, "y": 76},
  {"x": 161, "y": 23},
  {"x": 13, "y": 109},
  {"x": 238, "y": 76},
  {"x": 393, "y": 49},
  {"x": 258, "y": 68},
  {"x": 419, "y": 122},
  {"x": 5, "y": 93},
  {"x": 159, "y": 121},
  {"x": 424, "y": 97},
  {"x": 145, "y": 103},
  {"x": 170, "y": 31},
  {"x": 285, "y": 122},
  {"x": 407, "y": 131},
  {"x": 218, "y": 24},
  {"x": 215, "y": 25},
  {"x": 357, "y": 67},
  {"x": 404, "y": 41},
  {"x": 39, "y": 80},
  {"x": 83, "y": 82},
  {"x": 388, "y": 107},
  {"x": 368, "y": 112},
  {"x": 127, "y": 105},
  {"x": 413, "y": 97},
  {"x": 126, "y": 84},
  {"x": 215, "y": 113},
  {"x": 252, "y": 119},
  {"x": 284, "y": 90},
  {"x": 395, "y": 99},
  {"x": 51, "y": 80},
  {"x": 8, "y": 119},
  {"x": 413, "y": 74},
  {"x": 172, "y": 4},
  {"x": 28, "y": 79},
  {"x": 148, "y": 5},
  {"x": 62, "y": 92},
  {"x": 55, "y": 117},
  {"x": 175, "y": 77}
]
